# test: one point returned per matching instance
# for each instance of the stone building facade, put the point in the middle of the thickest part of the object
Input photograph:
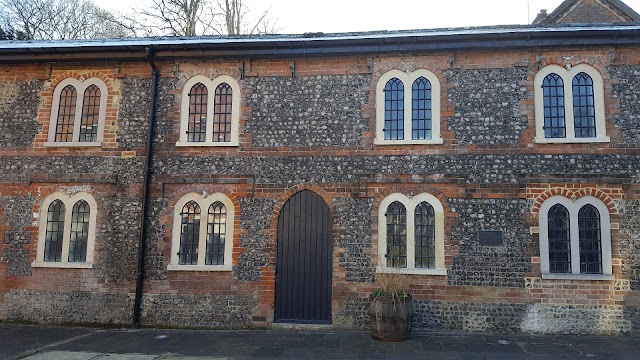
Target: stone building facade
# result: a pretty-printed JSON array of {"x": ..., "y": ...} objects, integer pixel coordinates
[{"x": 500, "y": 216}]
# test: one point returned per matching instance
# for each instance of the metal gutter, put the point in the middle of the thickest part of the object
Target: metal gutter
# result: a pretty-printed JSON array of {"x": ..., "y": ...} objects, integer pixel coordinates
[
  {"x": 142, "y": 244},
  {"x": 327, "y": 45}
]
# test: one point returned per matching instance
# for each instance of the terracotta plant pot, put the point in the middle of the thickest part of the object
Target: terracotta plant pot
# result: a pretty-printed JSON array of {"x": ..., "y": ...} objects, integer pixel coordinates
[{"x": 391, "y": 318}]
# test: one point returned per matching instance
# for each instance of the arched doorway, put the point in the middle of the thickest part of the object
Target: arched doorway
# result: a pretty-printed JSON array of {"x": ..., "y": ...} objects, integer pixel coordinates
[{"x": 303, "y": 260}]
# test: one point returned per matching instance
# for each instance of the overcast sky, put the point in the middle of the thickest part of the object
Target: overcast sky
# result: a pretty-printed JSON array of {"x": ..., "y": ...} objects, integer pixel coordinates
[{"x": 300, "y": 16}]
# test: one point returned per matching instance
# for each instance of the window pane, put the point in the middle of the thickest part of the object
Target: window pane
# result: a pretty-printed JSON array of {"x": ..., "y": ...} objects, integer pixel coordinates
[
  {"x": 216, "y": 233},
  {"x": 583, "y": 108},
  {"x": 396, "y": 235},
  {"x": 197, "y": 127},
  {"x": 222, "y": 113},
  {"x": 66, "y": 114},
  {"x": 590, "y": 240},
  {"x": 421, "y": 109},
  {"x": 559, "y": 240},
  {"x": 90, "y": 114},
  {"x": 553, "y": 99},
  {"x": 189, "y": 234},
  {"x": 394, "y": 110},
  {"x": 79, "y": 232},
  {"x": 425, "y": 236},
  {"x": 55, "y": 232}
]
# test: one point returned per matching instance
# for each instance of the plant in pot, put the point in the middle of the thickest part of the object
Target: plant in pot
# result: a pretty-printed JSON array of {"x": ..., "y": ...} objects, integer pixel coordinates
[{"x": 391, "y": 308}]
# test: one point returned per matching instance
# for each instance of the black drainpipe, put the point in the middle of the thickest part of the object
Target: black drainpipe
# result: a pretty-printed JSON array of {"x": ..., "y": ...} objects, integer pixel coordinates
[{"x": 155, "y": 74}]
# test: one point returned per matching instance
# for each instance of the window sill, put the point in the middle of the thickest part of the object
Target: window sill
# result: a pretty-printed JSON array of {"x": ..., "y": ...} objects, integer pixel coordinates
[
  {"x": 436, "y": 141},
  {"x": 550, "y": 276},
  {"x": 61, "y": 265},
  {"x": 73, "y": 144},
  {"x": 437, "y": 272},
  {"x": 208, "y": 144},
  {"x": 601, "y": 139},
  {"x": 174, "y": 267}
]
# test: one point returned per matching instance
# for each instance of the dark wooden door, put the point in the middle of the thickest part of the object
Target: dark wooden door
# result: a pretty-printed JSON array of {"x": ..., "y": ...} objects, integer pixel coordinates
[{"x": 303, "y": 263}]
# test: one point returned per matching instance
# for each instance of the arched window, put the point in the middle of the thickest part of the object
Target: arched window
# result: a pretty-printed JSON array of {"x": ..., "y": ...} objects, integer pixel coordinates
[
  {"x": 575, "y": 239},
  {"x": 78, "y": 113},
  {"x": 197, "y": 128},
  {"x": 421, "y": 111},
  {"x": 559, "y": 240},
  {"x": 584, "y": 111},
  {"x": 210, "y": 112},
  {"x": 55, "y": 231},
  {"x": 408, "y": 118},
  {"x": 569, "y": 104},
  {"x": 202, "y": 244},
  {"x": 394, "y": 110},
  {"x": 216, "y": 233},
  {"x": 425, "y": 236},
  {"x": 66, "y": 114},
  {"x": 396, "y": 235},
  {"x": 190, "y": 233},
  {"x": 90, "y": 114},
  {"x": 411, "y": 235},
  {"x": 553, "y": 91},
  {"x": 590, "y": 240},
  {"x": 222, "y": 113},
  {"x": 66, "y": 238},
  {"x": 80, "y": 219}
]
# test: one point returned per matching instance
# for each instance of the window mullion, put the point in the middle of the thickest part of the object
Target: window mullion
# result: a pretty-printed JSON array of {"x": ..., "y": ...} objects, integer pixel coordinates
[
  {"x": 569, "y": 121},
  {"x": 77, "y": 121},
  {"x": 411, "y": 247},
  {"x": 67, "y": 232},
  {"x": 202, "y": 239},
  {"x": 408, "y": 113},
  {"x": 210, "y": 110},
  {"x": 575, "y": 243}
]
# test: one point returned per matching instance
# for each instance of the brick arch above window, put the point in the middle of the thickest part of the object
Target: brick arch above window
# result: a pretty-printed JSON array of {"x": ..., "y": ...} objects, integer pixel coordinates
[
  {"x": 417, "y": 108},
  {"x": 574, "y": 194},
  {"x": 217, "y": 110},
  {"x": 78, "y": 112},
  {"x": 569, "y": 111}
]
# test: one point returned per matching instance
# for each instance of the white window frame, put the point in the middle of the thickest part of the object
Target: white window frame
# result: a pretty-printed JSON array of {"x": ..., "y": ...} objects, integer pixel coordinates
[
  {"x": 567, "y": 76},
  {"x": 80, "y": 87},
  {"x": 211, "y": 89},
  {"x": 69, "y": 202},
  {"x": 410, "y": 205},
  {"x": 573, "y": 207},
  {"x": 408, "y": 79},
  {"x": 204, "y": 203}
]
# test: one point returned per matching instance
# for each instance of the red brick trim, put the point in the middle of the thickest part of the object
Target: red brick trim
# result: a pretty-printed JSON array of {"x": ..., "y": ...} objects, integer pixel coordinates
[{"x": 574, "y": 194}]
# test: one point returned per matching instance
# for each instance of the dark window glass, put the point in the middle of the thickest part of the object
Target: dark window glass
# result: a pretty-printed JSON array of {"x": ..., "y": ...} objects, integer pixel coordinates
[
  {"x": 394, "y": 110},
  {"x": 66, "y": 114},
  {"x": 396, "y": 235},
  {"x": 425, "y": 236},
  {"x": 79, "y": 232},
  {"x": 55, "y": 232},
  {"x": 559, "y": 240},
  {"x": 421, "y": 109},
  {"x": 189, "y": 234},
  {"x": 222, "y": 111},
  {"x": 584, "y": 111},
  {"x": 553, "y": 97},
  {"x": 590, "y": 240},
  {"x": 197, "y": 126},
  {"x": 90, "y": 114},
  {"x": 216, "y": 233}
]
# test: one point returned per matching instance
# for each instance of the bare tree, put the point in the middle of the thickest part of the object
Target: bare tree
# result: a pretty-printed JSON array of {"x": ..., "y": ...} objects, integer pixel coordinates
[
  {"x": 200, "y": 17},
  {"x": 61, "y": 19}
]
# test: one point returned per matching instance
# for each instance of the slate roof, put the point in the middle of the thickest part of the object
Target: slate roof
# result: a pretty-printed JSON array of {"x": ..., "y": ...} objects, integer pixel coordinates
[{"x": 568, "y": 4}]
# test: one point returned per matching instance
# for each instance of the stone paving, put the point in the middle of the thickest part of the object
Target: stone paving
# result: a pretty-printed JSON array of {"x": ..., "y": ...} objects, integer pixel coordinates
[{"x": 66, "y": 343}]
